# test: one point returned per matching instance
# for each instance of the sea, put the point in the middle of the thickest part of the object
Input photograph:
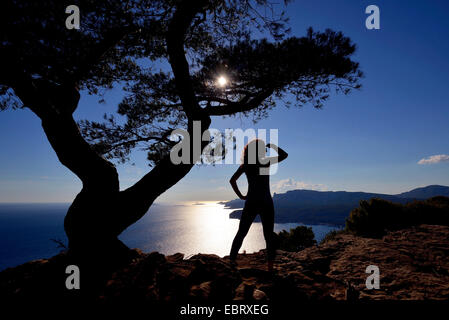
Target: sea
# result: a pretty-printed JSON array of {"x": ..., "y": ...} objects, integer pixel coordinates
[{"x": 35, "y": 231}]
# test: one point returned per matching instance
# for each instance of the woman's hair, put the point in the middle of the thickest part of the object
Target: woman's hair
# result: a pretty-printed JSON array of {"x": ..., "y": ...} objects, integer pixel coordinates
[{"x": 253, "y": 152}]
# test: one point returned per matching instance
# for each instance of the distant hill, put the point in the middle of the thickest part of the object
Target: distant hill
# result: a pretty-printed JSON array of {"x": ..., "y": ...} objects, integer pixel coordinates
[
  {"x": 330, "y": 207},
  {"x": 426, "y": 192}
]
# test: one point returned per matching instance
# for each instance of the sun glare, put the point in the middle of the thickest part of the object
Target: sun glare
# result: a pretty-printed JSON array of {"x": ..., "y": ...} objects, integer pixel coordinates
[{"x": 222, "y": 81}]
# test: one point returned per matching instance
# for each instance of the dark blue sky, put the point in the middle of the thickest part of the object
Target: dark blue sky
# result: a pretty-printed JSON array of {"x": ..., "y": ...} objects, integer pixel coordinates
[{"x": 371, "y": 140}]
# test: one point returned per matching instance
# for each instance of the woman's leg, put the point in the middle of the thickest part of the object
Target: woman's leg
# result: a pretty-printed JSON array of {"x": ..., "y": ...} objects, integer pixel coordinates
[
  {"x": 267, "y": 217},
  {"x": 246, "y": 220}
]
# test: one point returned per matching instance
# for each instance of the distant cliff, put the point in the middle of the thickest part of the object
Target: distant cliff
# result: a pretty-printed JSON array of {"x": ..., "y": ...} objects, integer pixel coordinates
[{"x": 330, "y": 207}]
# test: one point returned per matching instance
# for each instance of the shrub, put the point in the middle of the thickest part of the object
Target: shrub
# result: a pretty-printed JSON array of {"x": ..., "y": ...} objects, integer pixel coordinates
[
  {"x": 372, "y": 218},
  {"x": 296, "y": 239},
  {"x": 331, "y": 235}
]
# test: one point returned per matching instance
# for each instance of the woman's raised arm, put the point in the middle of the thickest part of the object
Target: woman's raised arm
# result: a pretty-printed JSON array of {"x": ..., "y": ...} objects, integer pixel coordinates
[{"x": 282, "y": 155}]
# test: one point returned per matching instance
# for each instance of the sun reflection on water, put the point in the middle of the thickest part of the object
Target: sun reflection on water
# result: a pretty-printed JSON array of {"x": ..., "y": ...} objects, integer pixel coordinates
[{"x": 195, "y": 227}]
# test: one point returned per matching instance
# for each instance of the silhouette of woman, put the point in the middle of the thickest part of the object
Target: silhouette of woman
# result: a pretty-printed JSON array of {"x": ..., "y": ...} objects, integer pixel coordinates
[{"x": 255, "y": 164}]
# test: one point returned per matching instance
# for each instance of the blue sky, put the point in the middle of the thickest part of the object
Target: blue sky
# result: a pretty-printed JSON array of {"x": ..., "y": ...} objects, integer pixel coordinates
[{"x": 370, "y": 140}]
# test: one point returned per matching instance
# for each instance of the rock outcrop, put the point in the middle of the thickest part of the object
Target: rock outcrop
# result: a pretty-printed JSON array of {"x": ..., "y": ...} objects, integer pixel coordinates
[{"x": 413, "y": 263}]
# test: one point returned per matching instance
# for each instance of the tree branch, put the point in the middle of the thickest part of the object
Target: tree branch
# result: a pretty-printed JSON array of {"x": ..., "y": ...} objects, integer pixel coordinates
[
  {"x": 182, "y": 18},
  {"x": 54, "y": 105},
  {"x": 165, "y": 174},
  {"x": 233, "y": 107}
]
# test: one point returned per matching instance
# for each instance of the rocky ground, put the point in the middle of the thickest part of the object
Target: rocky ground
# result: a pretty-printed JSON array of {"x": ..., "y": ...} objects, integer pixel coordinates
[{"x": 413, "y": 263}]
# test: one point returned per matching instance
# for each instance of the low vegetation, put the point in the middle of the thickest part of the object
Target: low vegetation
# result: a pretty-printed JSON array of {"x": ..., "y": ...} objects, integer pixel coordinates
[
  {"x": 374, "y": 217},
  {"x": 296, "y": 239},
  {"x": 332, "y": 235}
]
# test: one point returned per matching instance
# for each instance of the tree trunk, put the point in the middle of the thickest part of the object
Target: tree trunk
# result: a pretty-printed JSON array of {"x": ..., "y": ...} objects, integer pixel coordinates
[{"x": 97, "y": 216}]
